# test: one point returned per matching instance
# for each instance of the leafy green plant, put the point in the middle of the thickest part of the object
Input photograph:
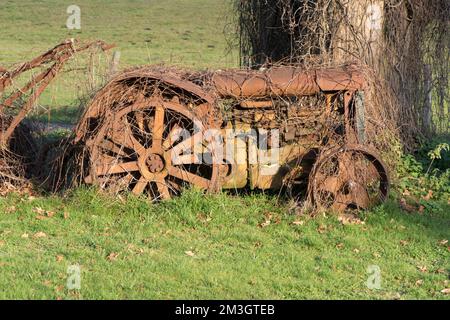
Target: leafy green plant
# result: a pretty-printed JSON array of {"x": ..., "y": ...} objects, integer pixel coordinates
[
  {"x": 432, "y": 183},
  {"x": 436, "y": 153}
]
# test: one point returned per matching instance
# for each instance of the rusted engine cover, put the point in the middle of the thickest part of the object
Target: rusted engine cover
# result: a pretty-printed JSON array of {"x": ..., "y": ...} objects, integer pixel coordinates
[{"x": 286, "y": 81}]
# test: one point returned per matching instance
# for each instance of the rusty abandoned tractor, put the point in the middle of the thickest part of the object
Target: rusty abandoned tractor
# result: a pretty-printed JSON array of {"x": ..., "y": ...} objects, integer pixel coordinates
[{"x": 155, "y": 131}]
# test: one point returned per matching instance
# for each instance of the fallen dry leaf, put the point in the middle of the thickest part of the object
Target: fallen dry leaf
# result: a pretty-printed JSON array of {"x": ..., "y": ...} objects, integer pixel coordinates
[
  {"x": 356, "y": 250},
  {"x": 376, "y": 255},
  {"x": 339, "y": 245},
  {"x": 347, "y": 219},
  {"x": 422, "y": 269},
  {"x": 440, "y": 270},
  {"x": 50, "y": 213},
  {"x": 428, "y": 196},
  {"x": 24, "y": 236},
  {"x": 419, "y": 282},
  {"x": 66, "y": 215},
  {"x": 322, "y": 229},
  {"x": 42, "y": 214},
  {"x": 11, "y": 209},
  {"x": 443, "y": 242},
  {"x": 397, "y": 296},
  {"x": 258, "y": 244},
  {"x": 59, "y": 258},
  {"x": 39, "y": 210},
  {"x": 268, "y": 215},
  {"x": 112, "y": 256},
  {"x": 298, "y": 223},
  {"x": 264, "y": 224},
  {"x": 40, "y": 235},
  {"x": 407, "y": 207},
  {"x": 404, "y": 242},
  {"x": 445, "y": 291},
  {"x": 203, "y": 217},
  {"x": 121, "y": 199},
  {"x": 189, "y": 253}
]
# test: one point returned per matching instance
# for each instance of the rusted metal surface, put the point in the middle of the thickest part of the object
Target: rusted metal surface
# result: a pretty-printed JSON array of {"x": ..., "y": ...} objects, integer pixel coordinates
[
  {"x": 132, "y": 151},
  {"x": 286, "y": 81},
  {"x": 153, "y": 77},
  {"x": 137, "y": 118},
  {"x": 128, "y": 129},
  {"x": 349, "y": 177}
]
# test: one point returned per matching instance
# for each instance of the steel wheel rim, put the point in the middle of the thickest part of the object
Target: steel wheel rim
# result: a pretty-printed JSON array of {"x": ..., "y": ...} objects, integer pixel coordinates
[{"x": 349, "y": 187}]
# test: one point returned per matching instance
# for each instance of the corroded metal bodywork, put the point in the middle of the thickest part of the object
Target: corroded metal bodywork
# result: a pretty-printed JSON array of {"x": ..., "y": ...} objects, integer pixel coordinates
[
  {"x": 156, "y": 130},
  {"x": 265, "y": 129},
  {"x": 285, "y": 81}
]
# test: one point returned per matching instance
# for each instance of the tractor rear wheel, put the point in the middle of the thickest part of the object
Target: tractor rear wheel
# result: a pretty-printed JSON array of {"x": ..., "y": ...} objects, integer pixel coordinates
[{"x": 155, "y": 147}]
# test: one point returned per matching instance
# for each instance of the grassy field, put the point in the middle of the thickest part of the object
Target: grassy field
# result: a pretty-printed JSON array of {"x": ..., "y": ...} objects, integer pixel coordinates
[
  {"x": 188, "y": 33},
  {"x": 196, "y": 246},
  {"x": 215, "y": 247}
]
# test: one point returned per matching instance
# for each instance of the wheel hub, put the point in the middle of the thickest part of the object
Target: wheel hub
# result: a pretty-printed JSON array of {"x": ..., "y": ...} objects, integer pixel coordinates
[{"x": 155, "y": 163}]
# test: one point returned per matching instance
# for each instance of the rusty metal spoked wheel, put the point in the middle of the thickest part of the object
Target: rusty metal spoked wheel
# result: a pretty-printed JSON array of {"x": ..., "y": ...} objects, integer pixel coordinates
[
  {"x": 347, "y": 178},
  {"x": 153, "y": 147}
]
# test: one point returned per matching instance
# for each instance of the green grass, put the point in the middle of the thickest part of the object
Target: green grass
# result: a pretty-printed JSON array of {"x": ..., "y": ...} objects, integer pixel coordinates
[
  {"x": 136, "y": 249},
  {"x": 233, "y": 258},
  {"x": 176, "y": 32}
]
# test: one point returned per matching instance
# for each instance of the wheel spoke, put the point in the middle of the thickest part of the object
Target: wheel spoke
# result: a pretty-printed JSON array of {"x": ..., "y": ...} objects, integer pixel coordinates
[
  {"x": 111, "y": 146},
  {"x": 118, "y": 185},
  {"x": 189, "y": 177},
  {"x": 140, "y": 186},
  {"x": 158, "y": 128},
  {"x": 137, "y": 146},
  {"x": 163, "y": 189},
  {"x": 187, "y": 144},
  {"x": 187, "y": 159},
  {"x": 173, "y": 186},
  {"x": 119, "y": 138},
  {"x": 174, "y": 135},
  {"x": 125, "y": 181},
  {"x": 114, "y": 168}
]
